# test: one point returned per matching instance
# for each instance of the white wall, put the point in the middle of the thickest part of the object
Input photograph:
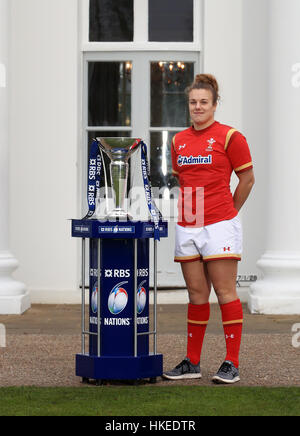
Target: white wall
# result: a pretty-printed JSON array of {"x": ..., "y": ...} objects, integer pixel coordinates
[
  {"x": 235, "y": 50},
  {"x": 43, "y": 144},
  {"x": 255, "y": 115},
  {"x": 223, "y": 55}
]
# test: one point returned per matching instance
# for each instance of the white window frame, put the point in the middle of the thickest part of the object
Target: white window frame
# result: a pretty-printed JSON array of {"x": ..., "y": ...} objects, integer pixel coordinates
[
  {"x": 141, "y": 53},
  {"x": 140, "y": 41}
]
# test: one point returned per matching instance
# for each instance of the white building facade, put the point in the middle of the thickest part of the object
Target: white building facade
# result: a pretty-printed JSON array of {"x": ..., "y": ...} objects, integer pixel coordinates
[{"x": 67, "y": 74}]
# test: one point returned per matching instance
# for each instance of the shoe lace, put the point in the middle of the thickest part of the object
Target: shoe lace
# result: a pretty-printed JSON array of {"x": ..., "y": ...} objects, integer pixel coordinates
[
  {"x": 226, "y": 367},
  {"x": 184, "y": 365}
]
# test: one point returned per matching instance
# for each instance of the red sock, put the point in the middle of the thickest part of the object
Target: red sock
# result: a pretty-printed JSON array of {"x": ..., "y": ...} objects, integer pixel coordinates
[
  {"x": 198, "y": 317},
  {"x": 232, "y": 316}
]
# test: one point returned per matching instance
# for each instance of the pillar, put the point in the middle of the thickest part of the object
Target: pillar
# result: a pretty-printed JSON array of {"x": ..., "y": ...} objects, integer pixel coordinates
[
  {"x": 14, "y": 299},
  {"x": 278, "y": 292}
]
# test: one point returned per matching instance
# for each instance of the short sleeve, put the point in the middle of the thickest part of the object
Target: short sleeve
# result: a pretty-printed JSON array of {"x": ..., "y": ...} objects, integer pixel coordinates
[
  {"x": 238, "y": 153},
  {"x": 175, "y": 167}
]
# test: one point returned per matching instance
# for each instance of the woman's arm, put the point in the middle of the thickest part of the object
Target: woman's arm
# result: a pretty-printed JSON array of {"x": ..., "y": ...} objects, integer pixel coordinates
[{"x": 246, "y": 182}]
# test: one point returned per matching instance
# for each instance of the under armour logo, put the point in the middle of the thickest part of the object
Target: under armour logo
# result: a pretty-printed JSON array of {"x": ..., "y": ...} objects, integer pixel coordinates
[
  {"x": 227, "y": 248},
  {"x": 229, "y": 336}
]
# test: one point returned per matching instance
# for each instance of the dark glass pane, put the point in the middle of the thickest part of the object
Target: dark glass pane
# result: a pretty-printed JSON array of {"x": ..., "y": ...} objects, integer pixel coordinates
[
  {"x": 109, "y": 97},
  {"x": 111, "y": 20},
  {"x": 91, "y": 136},
  {"x": 171, "y": 20},
  {"x": 169, "y": 81},
  {"x": 161, "y": 161}
]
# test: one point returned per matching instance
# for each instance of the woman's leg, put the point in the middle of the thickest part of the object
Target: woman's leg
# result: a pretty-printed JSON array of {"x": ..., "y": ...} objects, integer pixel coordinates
[
  {"x": 197, "y": 281},
  {"x": 199, "y": 288},
  {"x": 223, "y": 274}
]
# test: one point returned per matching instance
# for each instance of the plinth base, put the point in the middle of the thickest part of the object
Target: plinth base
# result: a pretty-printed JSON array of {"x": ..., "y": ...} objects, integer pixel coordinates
[
  {"x": 278, "y": 293},
  {"x": 119, "y": 368},
  {"x": 14, "y": 304},
  {"x": 274, "y": 306}
]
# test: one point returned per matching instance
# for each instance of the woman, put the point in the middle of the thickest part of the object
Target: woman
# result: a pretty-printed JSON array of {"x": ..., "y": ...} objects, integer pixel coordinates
[{"x": 209, "y": 233}]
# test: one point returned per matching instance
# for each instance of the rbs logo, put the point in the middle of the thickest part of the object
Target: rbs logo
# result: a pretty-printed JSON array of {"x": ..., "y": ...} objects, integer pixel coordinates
[{"x": 116, "y": 273}]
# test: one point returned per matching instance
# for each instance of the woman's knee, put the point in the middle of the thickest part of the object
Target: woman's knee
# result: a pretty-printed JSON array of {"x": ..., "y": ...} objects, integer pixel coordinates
[
  {"x": 198, "y": 295},
  {"x": 226, "y": 295}
]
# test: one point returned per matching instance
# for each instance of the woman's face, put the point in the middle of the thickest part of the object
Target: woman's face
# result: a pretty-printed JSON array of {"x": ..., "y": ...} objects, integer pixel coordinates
[{"x": 202, "y": 108}]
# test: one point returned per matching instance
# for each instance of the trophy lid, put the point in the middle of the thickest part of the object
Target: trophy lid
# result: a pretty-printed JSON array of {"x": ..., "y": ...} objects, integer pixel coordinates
[{"x": 119, "y": 148}]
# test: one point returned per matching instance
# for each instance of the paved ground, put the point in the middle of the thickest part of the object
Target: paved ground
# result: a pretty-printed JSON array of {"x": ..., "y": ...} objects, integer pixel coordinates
[{"x": 42, "y": 343}]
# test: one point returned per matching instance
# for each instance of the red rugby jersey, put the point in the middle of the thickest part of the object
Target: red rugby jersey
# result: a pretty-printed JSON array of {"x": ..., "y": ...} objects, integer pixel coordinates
[{"x": 206, "y": 159}]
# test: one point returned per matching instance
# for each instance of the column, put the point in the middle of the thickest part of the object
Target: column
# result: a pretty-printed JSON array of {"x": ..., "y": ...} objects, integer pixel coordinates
[
  {"x": 278, "y": 292},
  {"x": 14, "y": 299}
]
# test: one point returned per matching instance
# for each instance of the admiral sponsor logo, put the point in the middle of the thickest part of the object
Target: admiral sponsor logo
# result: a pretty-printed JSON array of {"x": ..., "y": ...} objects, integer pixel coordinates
[{"x": 192, "y": 160}]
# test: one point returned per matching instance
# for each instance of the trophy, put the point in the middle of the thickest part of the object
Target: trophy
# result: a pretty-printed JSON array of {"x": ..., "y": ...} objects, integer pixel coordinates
[{"x": 119, "y": 150}]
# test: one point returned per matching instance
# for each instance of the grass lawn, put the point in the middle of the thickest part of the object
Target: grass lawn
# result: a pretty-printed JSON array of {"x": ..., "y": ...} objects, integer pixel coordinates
[{"x": 113, "y": 401}]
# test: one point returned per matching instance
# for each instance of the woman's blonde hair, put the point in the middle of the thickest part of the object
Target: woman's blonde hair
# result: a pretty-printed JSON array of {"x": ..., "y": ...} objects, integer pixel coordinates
[{"x": 206, "y": 81}]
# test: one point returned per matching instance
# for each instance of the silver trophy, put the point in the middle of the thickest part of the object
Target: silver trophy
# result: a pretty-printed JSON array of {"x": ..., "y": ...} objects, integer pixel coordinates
[{"x": 119, "y": 150}]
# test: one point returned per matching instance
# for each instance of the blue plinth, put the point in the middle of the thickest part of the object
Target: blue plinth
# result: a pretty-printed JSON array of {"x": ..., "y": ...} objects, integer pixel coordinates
[
  {"x": 121, "y": 358},
  {"x": 119, "y": 368}
]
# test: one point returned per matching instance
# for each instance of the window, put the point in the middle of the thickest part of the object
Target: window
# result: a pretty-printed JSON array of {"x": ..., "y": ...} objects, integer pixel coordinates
[
  {"x": 169, "y": 81},
  {"x": 171, "y": 20},
  {"x": 109, "y": 93},
  {"x": 111, "y": 20}
]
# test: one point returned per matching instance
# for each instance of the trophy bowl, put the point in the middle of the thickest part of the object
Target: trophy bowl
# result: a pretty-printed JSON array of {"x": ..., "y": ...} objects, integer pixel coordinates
[{"x": 119, "y": 150}]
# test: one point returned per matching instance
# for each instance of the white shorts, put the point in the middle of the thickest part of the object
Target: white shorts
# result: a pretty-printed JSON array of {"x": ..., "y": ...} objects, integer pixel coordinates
[{"x": 222, "y": 240}]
